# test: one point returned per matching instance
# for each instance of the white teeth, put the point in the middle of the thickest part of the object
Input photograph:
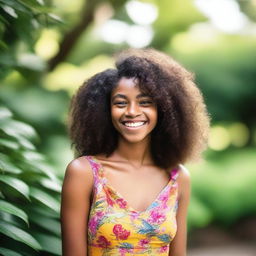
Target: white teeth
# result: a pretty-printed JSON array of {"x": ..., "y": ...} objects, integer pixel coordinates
[{"x": 134, "y": 124}]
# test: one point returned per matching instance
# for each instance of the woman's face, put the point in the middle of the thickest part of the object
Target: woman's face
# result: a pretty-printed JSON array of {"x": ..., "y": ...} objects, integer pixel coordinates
[{"x": 134, "y": 113}]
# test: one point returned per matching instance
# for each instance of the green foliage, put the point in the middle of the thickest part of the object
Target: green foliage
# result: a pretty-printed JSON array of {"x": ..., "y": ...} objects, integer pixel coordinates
[
  {"x": 30, "y": 193},
  {"x": 223, "y": 189},
  {"x": 225, "y": 72},
  {"x": 175, "y": 16},
  {"x": 249, "y": 8},
  {"x": 20, "y": 26}
]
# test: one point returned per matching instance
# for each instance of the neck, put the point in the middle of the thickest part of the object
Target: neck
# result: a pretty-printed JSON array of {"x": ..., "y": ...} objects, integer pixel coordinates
[{"x": 135, "y": 153}]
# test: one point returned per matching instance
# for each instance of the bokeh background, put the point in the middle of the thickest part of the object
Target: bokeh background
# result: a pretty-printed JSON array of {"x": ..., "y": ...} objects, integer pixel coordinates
[{"x": 49, "y": 47}]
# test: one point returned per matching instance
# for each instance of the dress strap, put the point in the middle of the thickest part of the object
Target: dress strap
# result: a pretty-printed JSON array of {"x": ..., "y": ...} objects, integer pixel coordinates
[
  {"x": 97, "y": 176},
  {"x": 174, "y": 174},
  {"x": 94, "y": 166}
]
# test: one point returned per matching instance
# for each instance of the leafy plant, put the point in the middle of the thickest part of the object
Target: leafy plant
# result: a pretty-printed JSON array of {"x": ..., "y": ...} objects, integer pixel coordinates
[
  {"x": 21, "y": 22},
  {"x": 29, "y": 194}
]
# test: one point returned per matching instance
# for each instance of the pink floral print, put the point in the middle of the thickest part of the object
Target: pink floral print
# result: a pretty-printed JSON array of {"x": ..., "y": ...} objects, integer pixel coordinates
[
  {"x": 103, "y": 242},
  {"x": 120, "y": 232},
  {"x": 116, "y": 229},
  {"x": 121, "y": 202},
  {"x": 156, "y": 217},
  {"x": 144, "y": 242}
]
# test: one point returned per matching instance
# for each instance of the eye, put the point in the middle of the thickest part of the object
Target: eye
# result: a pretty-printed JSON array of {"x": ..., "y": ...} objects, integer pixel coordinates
[
  {"x": 146, "y": 103},
  {"x": 120, "y": 103}
]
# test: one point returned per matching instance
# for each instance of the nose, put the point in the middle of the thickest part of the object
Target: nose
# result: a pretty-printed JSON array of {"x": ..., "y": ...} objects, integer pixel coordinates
[{"x": 133, "y": 110}]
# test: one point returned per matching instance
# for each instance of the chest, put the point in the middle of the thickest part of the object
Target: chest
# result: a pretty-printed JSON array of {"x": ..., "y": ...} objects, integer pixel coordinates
[
  {"x": 114, "y": 224},
  {"x": 139, "y": 190}
]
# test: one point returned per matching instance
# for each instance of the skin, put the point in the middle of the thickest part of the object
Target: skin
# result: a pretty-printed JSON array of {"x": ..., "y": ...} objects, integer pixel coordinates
[{"x": 129, "y": 168}]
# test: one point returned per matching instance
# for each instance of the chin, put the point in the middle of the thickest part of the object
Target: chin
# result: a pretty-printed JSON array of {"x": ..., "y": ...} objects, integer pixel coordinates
[{"x": 134, "y": 140}]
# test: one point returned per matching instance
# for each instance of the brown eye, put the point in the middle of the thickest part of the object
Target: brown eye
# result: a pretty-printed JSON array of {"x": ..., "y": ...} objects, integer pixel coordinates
[
  {"x": 120, "y": 103},
  {"x": 146, "y": 103}
]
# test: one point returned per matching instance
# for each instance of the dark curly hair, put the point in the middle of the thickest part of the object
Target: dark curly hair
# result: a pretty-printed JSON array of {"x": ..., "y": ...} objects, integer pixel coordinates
[{"x": 183, "y": 123}]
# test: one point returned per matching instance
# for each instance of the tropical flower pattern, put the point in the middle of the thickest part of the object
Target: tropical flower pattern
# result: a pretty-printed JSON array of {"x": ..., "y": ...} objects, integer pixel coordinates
[{"x": 115, "y": 228}]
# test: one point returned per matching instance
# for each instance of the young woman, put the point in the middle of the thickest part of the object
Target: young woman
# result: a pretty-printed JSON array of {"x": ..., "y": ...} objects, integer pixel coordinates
[{"x": 133, "y": 127}]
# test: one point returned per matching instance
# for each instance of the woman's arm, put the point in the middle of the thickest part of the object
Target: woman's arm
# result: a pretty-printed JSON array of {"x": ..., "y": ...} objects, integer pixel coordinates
[
  {"x": 75, "y": 205},
  {"x": 178, "y": 246}
]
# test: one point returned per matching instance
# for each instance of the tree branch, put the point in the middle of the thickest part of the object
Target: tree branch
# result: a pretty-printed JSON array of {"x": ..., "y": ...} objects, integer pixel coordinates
[{"x": 73, "y": 35}]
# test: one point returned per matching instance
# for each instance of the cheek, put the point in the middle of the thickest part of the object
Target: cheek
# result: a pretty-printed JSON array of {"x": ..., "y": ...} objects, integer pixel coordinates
[
  {"x": 153, "y": 117},
  {"x": 114, "y": 114},
  {"x": 115, "y": 117}
]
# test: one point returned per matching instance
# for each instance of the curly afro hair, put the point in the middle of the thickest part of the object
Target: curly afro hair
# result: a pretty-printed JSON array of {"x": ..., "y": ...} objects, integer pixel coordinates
[{"x": 183, "y": 122}]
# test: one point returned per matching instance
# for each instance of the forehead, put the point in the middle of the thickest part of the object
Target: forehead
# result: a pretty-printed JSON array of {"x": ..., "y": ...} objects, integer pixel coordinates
[{"x": 127, "y": 86}]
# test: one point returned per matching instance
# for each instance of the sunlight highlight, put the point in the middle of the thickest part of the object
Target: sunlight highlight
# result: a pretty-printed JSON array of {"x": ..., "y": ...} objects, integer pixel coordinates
[
  {"x": 47, "y": 45},
  {"x": 219, "y": 138},
  {"x": 114, "y": 31},
  {"x": 239, "y": 134},
  {"x": 223, "y": 14},
  {"x": 117, "y": 32},
  {"x": 139, "y": 36},
  {"x": 142, "y": 13}
]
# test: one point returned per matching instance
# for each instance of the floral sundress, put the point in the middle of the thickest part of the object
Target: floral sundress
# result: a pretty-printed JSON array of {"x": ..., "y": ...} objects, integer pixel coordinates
[{"x": 115, "y": 228}]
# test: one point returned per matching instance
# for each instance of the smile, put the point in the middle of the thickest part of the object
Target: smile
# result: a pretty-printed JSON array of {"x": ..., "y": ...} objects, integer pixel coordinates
[{"x": 133, "y": 124}]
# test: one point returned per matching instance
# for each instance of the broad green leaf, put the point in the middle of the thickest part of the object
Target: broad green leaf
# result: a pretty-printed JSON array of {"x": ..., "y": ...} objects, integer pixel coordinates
[
  {"x": 10, "y": 11},
  {"x": 50, "y": 184},
  {"x": 33, "y": 156},
  {"x": 12, "y": 209},
  {"x": 17, "y": 5},
  {"x": 41, "y": 2},
  {"x": 16, "y": 184},
  {"x": 35, "y": 7},
  {"x": 25, "y": 143},
  {"x": 9, "y": 218},
  {"x": 42, "y": 210},
  {"x": 17, "y": 129},
  {"x": 9, "y": 144},
  {"x": 8, "y": 252},
  {"x": 49, "y": 244},
  {"x": 19, "y": 235},
  {"x": 33, "y": 3},
  {"x": 2, "y": 195},
  {"x": 55, "y": 18},
  {"x": 5, "y": 113},
  {"x": 45, "y": 198},
  {"x": 40, "y": 167},
  {"x": 47, "y": 169},
  {"x": 7, "y": 166},
  {"x": 47, "y": 223}
]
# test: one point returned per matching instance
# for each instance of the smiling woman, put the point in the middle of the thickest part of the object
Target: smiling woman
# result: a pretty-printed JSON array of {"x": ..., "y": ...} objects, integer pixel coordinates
[
  {"x": 133, "y": 127},
  {"x": 134, "y": 114}
]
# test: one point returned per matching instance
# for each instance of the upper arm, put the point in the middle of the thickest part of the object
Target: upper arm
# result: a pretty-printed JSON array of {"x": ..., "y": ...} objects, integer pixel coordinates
[
  {"x": 179, "y": 243},
  {"x": 75, "y": 206}
]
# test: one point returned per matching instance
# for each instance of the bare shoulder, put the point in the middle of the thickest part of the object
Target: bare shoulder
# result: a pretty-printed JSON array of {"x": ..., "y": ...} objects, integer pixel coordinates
[
  {"x": 184, "y": 173},
  {"x": 79, "y": 167},
  {"x": 183, "y": 180},
  {"x": 75, "y": 205},
  {"x": 78, "y": 176}
]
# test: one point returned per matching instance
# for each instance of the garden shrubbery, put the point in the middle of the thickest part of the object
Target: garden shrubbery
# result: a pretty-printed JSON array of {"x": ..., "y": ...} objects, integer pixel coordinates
[{"x": 29, "y": 194}]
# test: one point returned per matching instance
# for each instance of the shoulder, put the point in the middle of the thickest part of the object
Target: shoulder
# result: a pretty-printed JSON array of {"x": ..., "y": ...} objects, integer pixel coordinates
[
  {"x": 183, "y": 180},
  {"x": 76, "y": 195},
  {"x": 79, "y": 166},
  {"x": 78, "y": 172},
  {"x": 183, "y": 173}
]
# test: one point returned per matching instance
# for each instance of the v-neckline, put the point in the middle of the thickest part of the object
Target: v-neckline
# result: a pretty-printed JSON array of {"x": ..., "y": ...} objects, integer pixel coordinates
[{"x": 128, "y": 206}]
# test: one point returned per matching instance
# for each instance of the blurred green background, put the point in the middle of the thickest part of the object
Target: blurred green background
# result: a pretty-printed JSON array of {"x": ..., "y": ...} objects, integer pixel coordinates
[{"x": 48, "y": 48}]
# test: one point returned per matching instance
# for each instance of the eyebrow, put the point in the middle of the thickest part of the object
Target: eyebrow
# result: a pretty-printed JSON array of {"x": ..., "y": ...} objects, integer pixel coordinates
[{"x": 141, "y": 95}]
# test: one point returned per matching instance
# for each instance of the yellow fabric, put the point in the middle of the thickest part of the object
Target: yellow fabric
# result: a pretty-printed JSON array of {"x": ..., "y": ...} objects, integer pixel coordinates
[{"x": 115, "y": 228}]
